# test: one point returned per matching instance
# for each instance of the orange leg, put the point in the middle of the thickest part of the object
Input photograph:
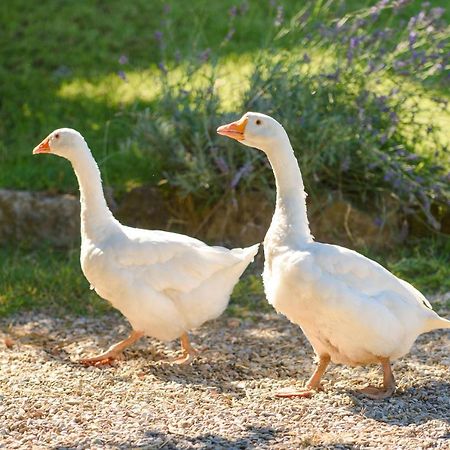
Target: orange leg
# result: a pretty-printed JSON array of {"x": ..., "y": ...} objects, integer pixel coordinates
[
  {"x": 313, "y": 383},
  {"x": 113, "y": 352},
  {"x": 188, "y": 351},
  {"x": 380, "y": 393}
]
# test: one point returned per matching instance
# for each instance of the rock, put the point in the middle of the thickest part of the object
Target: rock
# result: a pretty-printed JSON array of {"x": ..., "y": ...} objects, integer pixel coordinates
[
  {"x": 33, "y": 217},
  {"x": 144, "y": 207},
  {"x": 235, "y": 221},
  {"x": 244, "y": 220},
  {"x": 336, "y": 220}
]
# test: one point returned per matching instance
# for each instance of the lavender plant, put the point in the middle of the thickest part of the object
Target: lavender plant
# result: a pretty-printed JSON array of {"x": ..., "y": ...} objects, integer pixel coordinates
[{"x": 352, "y": 90}]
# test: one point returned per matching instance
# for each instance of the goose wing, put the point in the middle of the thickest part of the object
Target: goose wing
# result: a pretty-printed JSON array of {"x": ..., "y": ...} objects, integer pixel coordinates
[
  {"x": 364, "y": 275},
  {"x": 170, "y": 261}
]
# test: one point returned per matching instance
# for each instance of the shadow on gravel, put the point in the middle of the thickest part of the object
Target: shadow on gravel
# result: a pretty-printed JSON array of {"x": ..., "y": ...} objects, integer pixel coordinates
[
  {"x": 254, "y": 438},
  {"x": 220, "y": 377},
  {"x": 416, "y": 405}
]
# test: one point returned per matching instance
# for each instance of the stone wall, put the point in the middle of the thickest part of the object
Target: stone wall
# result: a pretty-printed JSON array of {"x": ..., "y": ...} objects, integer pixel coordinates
[{"x": 33, "y": 217}]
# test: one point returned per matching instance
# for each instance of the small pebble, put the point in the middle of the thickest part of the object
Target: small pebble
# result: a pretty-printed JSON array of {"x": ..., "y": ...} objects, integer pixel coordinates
[{"x": 225, "y": 399}]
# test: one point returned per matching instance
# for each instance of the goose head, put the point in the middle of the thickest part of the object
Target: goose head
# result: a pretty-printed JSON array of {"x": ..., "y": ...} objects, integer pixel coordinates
[
  {"x": 255, "y": 130},
  {"x": 64, "y": 142}
]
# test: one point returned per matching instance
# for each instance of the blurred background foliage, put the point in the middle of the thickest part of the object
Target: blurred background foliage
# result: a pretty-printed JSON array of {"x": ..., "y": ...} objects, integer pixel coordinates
[{"x": 362, "y": 88}]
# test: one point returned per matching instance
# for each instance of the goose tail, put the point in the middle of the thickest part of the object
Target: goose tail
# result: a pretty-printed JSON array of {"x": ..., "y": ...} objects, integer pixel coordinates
[
  {"x": 246, "y": 254},
  {"x": 438, "y": 323}
]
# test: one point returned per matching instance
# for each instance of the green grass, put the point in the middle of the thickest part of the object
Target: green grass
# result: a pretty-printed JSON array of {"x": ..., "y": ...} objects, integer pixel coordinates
[
  {"x": 51, "y": 48},
  {"x": 52, "y": 280},
  {"x": 45, "y": 278},
  {"x": 60, "y": 62}
]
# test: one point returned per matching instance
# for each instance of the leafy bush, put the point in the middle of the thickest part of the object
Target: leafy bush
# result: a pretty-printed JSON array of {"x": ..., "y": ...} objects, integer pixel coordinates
[{"x": 359, "y": 94}]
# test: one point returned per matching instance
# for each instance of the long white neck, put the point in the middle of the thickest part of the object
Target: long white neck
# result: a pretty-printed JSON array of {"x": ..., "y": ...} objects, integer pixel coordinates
[
  {"x": 290, "y": 221},
  {"x": 96, "y": 217}
]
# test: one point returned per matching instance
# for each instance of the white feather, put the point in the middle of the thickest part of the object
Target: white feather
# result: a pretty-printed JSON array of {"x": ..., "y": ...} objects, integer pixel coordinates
[
  {"x": 164, "y": 283},
  {"x": 349, "y": 307}
]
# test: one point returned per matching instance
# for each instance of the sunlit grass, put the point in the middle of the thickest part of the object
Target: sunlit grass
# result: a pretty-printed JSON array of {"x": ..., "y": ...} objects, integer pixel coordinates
[
  {"x": 428, "y": 112},
  {"x": 140, "y": 85},
  {"x": 45, "y": 278},
  {"x": 232, "y": 80},
  {"x": 146, "y": 85}
]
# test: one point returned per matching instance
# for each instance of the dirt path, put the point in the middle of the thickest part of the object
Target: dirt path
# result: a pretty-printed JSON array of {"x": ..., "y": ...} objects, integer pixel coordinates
[{"x": 224, "y": 400}]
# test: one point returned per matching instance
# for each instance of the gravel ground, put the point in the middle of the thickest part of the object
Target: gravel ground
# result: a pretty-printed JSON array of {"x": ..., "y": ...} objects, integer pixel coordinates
[{"x": 223, "y": 400}]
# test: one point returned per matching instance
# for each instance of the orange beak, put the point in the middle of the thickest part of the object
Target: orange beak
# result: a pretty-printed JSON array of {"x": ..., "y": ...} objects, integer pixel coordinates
[
  {"x": 43, "y": 147},
  {"x": 234, "y": 130}
]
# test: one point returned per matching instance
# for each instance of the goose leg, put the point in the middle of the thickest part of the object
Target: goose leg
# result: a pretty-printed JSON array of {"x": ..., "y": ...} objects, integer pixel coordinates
[
  {"x": 113, "y": 352},
  {"x": 313, "y": 383},
  {"x": 188, "y": 351},
  {"x": 380, "y": 393}
]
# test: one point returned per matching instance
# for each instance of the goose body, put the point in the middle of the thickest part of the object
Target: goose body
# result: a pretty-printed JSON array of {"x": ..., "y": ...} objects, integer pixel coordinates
[
  {"x": 352, "y": 310},
  {"x": 164, "y": 283},
  {"x": 348, "y": 306}
]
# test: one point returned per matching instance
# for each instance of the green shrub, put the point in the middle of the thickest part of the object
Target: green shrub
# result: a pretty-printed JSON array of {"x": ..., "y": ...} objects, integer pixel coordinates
[{"x": 354, "y": 93}]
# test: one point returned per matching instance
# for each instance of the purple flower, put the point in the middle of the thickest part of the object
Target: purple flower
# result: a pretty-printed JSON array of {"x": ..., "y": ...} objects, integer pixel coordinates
[
  {"x": 303, "y": 18},
  {"x": 353, "y": 42},
  {"x": 345, "y": 164},
  {"x": 378, "y": 221},
  {"x": 280, "y": 16},
  {"x": 62, "y": 72},
  {"x": 333, "y": 76},
  {"x": 122, "y": 75},
  {"x": 419, "y": 179},
  {"x": 399, "y": 64},
  {"x": 243, "y": 171},
  {"x": 436, "y": 13},
  {"x": 382, "y": 4},
  {"x": 221, "y": 164},
  {"x": 233, "y": 11},
  {"x": 167, "y": 8},
  {"x": 371, "y": 67},
  {"x": 349, "y": 55},
  {"x": 204, "y": 55},
  {"x": 244, "y": 8},
  {"x": 412, "y": 38},
  {"x": 158, "y": 35},
  {"x": 229, "y": 35},
  {"x": 400, "y": 3},
  {"x": 162, "y": 68},
  {"x": 306, "y": 58},
  {"x": 123, "y": 59}
]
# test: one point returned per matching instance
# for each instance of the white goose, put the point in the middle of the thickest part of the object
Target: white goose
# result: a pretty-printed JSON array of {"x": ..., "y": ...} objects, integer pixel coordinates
[
  {"x": 164, "y": 283},
  {"x": 352, "y": 310}
]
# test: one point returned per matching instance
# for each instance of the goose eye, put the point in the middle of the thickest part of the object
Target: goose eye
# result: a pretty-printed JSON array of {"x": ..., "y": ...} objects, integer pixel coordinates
[
  {"x": 258, "y": 122},
  {"x": 56, "y": 136}
]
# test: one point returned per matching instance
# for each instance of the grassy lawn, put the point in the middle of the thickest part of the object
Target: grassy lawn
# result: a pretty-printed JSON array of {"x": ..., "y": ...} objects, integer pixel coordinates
[
  {"x": 60, "y": 62},
  {"x": 63, "y": 72},
  {"x": 59, "y": 67}
]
